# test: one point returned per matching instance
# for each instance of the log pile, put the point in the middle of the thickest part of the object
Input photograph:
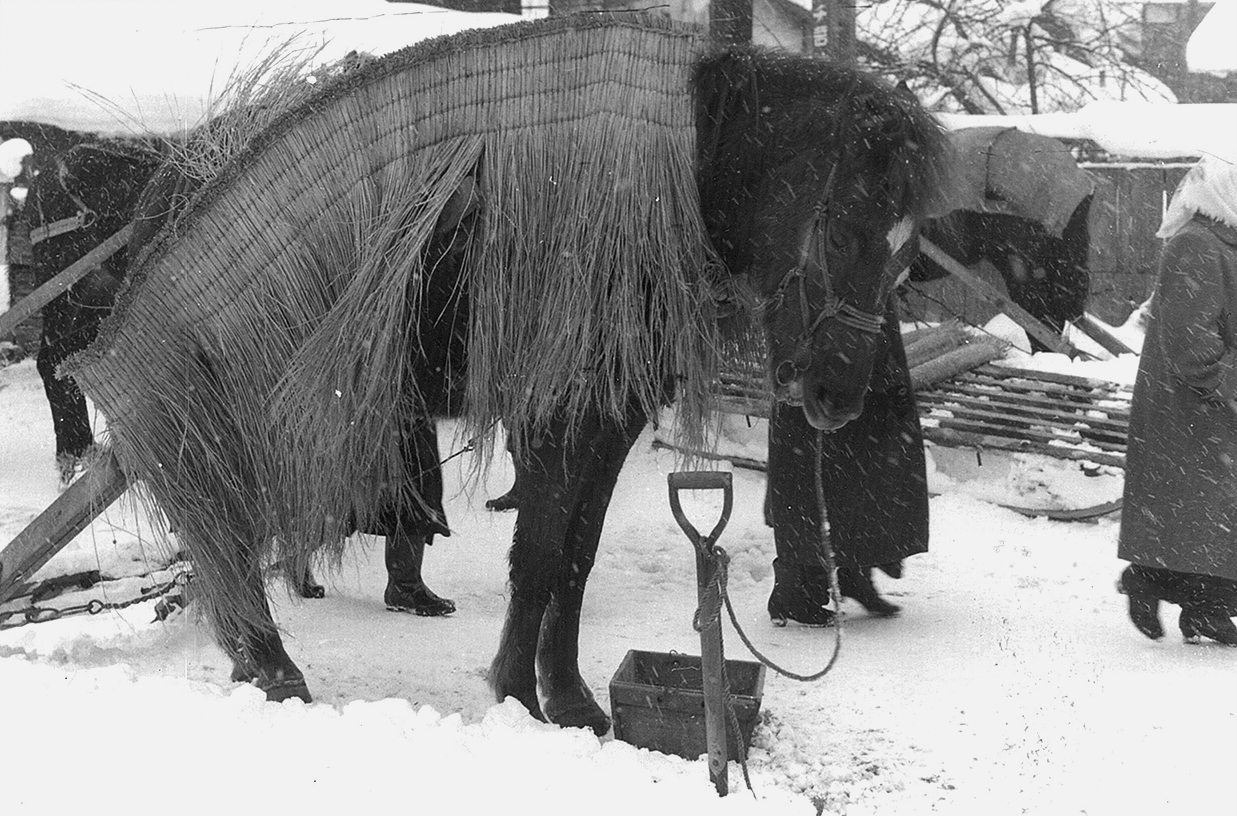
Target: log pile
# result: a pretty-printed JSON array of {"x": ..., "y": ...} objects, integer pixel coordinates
[{"x": 965, "y": 401}]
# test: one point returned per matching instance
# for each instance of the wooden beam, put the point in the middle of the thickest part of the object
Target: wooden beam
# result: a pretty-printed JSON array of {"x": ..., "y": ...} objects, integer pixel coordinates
[
  {"x": 58, "y": 285},
  {"x": 60, "y": 523},
  {"x": 990, "y": 293},
  {"x": 1089, "y": 325}
]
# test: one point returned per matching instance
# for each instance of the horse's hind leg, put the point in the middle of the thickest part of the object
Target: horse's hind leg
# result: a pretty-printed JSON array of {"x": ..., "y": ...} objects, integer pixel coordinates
[
  {"x": 568, "y": 699},
  {"x": 258, "y": 657},
  {"x": 233, "y": 593}
]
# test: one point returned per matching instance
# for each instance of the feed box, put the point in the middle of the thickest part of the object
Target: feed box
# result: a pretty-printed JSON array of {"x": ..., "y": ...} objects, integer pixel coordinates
[{"x": 657, "y": 700}]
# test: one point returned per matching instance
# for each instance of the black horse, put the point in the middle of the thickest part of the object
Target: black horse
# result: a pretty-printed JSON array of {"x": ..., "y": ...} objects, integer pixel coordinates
[
  {"x": 809, "y": 184},
  {"x": 78, "y": 198},
  {"x": 1046, "y": 274},
  {"x": 1020, "y": 201}
]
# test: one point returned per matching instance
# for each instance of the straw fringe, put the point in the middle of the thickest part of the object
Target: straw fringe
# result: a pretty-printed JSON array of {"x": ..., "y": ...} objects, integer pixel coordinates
[
  {"x": 346, "y": 395},
  {"x": 255, "y": 370}
]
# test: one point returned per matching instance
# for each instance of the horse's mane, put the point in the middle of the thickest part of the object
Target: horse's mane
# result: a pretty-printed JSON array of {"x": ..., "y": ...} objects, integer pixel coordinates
[{"x": 863, "y": 119}]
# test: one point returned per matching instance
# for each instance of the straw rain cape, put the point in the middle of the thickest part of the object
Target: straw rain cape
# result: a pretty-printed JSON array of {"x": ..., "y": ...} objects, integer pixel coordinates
[{"x": 255, "y": 368}]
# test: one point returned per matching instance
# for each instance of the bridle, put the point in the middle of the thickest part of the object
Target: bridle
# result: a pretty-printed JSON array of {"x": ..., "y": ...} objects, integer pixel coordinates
[
  {"x": 834, "y": 307},
  {"x": 82, "y": 219}
]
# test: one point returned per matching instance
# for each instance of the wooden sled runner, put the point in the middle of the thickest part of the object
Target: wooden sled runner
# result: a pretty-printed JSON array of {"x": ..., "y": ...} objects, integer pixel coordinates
[
  {"x": 68, "y": 515},
  {"x": 84, "y": 500}
]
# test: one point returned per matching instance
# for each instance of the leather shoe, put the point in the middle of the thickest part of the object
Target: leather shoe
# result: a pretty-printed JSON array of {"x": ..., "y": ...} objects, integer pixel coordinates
[
  {"x": 1209, "y": 622},
  {"x": 1144, "y": 604}
]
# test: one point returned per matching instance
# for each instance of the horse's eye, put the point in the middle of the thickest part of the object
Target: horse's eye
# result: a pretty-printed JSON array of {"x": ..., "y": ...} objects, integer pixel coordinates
[{"x": 840, "y": 240}]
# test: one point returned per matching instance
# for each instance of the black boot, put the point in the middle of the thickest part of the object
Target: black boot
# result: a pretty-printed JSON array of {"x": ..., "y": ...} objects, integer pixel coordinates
[
  {"x": 406, "y": 592},
  {"x": 1210, "y": 622},
  {"x": 800, "y": 594},
  {"x": 308, "y": 587},
  {"x": 1144, "y": 603},
  {"x": 507, "y": 501},
  {"x": 856, "y": 583}
]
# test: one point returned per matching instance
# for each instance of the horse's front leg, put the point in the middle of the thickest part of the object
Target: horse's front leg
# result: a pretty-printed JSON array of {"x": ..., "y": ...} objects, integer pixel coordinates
[
  {"x": 565, "y": 491},
  {"x": 536, "y": 552},
  {"x": 568, "y": 699}
]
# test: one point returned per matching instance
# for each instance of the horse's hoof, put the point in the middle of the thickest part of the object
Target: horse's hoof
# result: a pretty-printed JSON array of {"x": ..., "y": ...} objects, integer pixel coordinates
[
  {"x": 506, "y": 501},
  {"x": 582, "y": 714},
  {"x": 311, "y": 591},
  {"x": 291, "y": 688},
  {"x": 528, "y": 700}
]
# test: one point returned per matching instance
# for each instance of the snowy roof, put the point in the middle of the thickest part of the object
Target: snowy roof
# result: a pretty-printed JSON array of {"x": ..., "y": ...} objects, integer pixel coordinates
[
  {"x": 1130, "y": 129},
  {"x": 135, "y": 66},
  {"x": 1210, "y": 48}
]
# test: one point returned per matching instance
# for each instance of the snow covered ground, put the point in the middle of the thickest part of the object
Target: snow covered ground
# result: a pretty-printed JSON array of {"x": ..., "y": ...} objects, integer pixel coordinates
[{"x": 1012, "y": 683}]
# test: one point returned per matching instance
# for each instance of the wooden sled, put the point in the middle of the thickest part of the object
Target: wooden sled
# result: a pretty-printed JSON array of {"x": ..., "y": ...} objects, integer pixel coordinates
[
  {"x": 55, "y": 527},
  {"x": 90, "y": 495}
]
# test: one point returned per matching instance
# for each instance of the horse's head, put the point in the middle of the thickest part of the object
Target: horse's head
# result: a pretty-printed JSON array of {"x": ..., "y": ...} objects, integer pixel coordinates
[
  {"x": 82, "y": 196},
  {"x": 106, "y": 177},
  {"x": 813, "y": 180}
]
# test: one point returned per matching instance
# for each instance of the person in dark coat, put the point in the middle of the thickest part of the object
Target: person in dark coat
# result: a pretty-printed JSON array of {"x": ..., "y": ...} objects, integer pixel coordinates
[
  {"x": 1179, "y": 517},
  {"x": 874, "y": 480}
]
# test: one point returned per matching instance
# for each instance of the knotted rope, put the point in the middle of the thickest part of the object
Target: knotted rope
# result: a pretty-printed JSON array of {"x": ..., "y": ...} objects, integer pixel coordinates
[{"x": 716, "y": 594}]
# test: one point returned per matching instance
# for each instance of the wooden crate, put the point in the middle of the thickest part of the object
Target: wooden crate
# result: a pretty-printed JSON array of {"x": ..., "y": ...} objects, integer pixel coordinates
[{"x": 657, "y": 701}]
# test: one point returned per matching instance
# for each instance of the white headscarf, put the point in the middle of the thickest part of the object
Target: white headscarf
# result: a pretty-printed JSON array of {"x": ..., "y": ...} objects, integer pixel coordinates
[
  {"x": 1210, "y": 189},
  {"x": 12, "y": 152}
]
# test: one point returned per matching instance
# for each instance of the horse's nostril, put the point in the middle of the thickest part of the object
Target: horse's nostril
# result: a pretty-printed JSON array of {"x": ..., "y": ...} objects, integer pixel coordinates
[{"x": 785, "y": 373}]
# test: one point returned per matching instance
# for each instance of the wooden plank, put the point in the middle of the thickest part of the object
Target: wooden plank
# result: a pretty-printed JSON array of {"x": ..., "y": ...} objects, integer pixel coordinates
[
  {"x": 1029, "y": 397},
  {"x": 1062, "y": 514},
  {"x": 1090, "y": 325},
  {"x": 56, "y": 526},
  {"x": 1047, "y": 391},
  {"x": 999, "y": 299},
  {"x": 1028, "y": 439},
  {"x": 961, "y": 435},
  {"x": 925, "y": 347},
  {"x": 1020, "y": 399},
  {"x": 1006, "y": 372},
  {"x": 1039, "y": 430},
  {"x": 1000, "y": 414},
  {"x": 952, "y": 363},
  {"x": 60, "y": 284}
]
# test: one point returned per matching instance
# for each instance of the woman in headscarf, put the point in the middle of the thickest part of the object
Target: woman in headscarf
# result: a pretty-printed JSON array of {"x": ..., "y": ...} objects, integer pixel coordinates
[{"x": 1179, "y": 522}]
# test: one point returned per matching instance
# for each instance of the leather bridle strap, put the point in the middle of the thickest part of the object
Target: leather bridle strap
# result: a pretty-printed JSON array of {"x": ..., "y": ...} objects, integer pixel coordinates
[{"x": 84, "y": 218}]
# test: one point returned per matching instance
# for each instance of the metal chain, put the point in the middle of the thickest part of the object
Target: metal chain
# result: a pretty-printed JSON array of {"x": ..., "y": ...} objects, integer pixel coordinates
[{"x": 43, "y": 614}]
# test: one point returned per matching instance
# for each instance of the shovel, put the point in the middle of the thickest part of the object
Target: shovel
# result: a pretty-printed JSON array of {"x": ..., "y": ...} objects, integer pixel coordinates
[{"x": 712, "y": 678}]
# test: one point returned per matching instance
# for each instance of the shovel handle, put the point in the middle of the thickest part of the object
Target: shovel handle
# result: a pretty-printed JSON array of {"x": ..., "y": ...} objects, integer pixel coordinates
[{"x": 701, "y": 480}]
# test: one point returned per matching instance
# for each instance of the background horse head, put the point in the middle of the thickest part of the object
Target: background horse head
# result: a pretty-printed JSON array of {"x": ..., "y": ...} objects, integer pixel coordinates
[
  {"x": 813, "y": 180},
  {"x": 1046, "y": 274},
  {"x": 79, "y": 198}
]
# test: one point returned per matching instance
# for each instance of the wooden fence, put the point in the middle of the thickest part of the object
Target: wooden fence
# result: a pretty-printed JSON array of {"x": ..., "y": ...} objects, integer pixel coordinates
[{"x": 1124, "y": 218}]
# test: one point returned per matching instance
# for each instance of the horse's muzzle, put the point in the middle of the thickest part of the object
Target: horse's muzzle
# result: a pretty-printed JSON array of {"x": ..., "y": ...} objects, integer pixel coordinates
[{"x": 821, "y": 412}]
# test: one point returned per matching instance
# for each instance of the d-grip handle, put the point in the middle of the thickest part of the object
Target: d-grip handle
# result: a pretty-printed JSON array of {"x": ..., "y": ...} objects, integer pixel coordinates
[{"x": 701, "y": 480}]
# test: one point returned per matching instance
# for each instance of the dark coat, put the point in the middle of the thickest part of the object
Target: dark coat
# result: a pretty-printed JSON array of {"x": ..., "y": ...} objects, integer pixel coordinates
[
  {"x": 873, "y": 473},
  {"x": 1180, "y": 502}
]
